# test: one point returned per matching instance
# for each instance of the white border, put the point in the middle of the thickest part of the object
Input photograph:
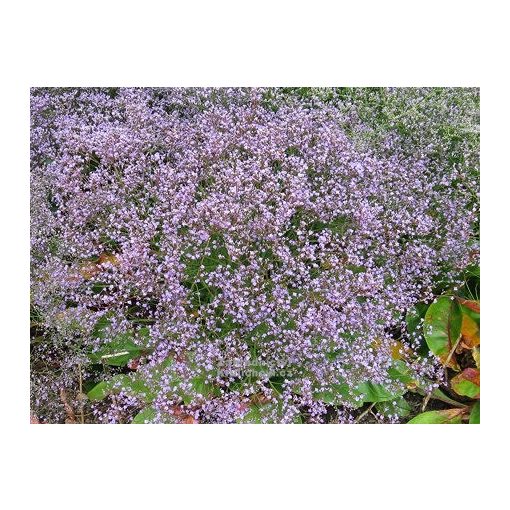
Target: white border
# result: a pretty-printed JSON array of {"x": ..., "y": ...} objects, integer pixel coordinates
[{"x": 199, "y": 43}]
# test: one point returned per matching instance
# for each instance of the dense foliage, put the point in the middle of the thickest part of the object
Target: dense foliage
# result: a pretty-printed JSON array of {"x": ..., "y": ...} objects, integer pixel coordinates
[{"x": 251, "y": 255}]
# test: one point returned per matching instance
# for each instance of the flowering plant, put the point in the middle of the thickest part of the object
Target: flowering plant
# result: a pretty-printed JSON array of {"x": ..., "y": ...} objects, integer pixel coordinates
[{"x": 243, "y": 255}]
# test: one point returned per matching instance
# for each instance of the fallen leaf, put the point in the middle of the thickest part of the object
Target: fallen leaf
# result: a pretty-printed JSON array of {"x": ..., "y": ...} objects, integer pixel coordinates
[
  {"x": 259, "y": 399},
  {"x": 108, "y": 258},
  {"x": 70, "y": 416},
  {"x": 188, "y": 419},
  {"x": 400, "y": 351},
  {"x": 182, "y": 416},
  {"x": 89, "y": 269}
]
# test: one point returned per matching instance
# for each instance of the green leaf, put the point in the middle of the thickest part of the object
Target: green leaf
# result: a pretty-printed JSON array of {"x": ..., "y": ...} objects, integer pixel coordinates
[
  {"x": 264, "y": 414},
  {"x": 473, "y": 270},
  {"x": 118, "y": 351},
  {"x": 199, "y": 386},
  {"x": 128, "y": 383},
  {"x": 376, "y": 392},
  {"x": 439, "y": 395},
  {"x": 259, "y": 330},
  {"x": 218, "y": 257},
  {"x": 338, "y": 394},
  {"x": 474, "y": 417},
  {"x": 414, "y": 316},
  {"x": 399, "y": 407},
  {"x": 467, "y": 383},
  {"x": 401, "y": 372},
  {"x": 446, "y": 416},
  {"x": 99, "y": 391},
  {"x": 470, "y": 329},
  {"x": 442, "y": 328},
  {"x": 470, "y": 308},
  {"x": 254, "y": 415},
  {"x": 144, "y": 415},
  {"x": 102, "y": 324}
]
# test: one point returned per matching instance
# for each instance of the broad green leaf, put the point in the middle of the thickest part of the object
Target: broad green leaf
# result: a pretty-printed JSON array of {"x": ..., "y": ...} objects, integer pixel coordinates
[
  {"x": 118, "y": 352},
  {"x": 401, "y": 372},
  {"x": 144, "y": 415},
  {"x": 474, "y": 417},
  {"x": 471, "y": 313},
  {"x": 439, "y": 395},
  {"x": 102, "y": 324},
  {"x": 337, "y": 225},
  {"x": 338, "y": 394},
  {"x": 120, "y": 349},
  {"x": 446, "y": 416},
  {"x": 218, "y": 256},
  {"x": 376, "y": 392},
  {"x": 442, "y": 328},
  {"x": 264, "y": 414},
  {"x": 399, "y": 407},
  {"x": 127, "y": 383},
  {"x": 473, "y": 271},
  {"x": 467, "y": 383},
  {"x": 259, "y": 330},
  {"x": 99, "y": 391},
  {"x": 199, "y": 386},
  {"x": 252, "y": 416},
  {"x": 259, "y": 413}
]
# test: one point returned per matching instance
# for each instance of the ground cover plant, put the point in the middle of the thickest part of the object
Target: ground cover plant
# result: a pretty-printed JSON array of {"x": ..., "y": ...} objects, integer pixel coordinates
[{"x": 285, "y": 255}]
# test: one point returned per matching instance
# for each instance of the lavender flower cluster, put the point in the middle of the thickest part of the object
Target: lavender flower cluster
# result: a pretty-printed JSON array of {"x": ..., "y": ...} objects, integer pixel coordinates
[{"x": 234, "y": 255}]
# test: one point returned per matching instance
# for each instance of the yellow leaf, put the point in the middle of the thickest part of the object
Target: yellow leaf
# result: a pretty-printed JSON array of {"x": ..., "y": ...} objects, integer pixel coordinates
[
  {"x": 470, "y": 332},
  {"x": 108, "y": 257},
  {"x": 476, "y": 356},
  {"x": 88, "y": 270},
  {"x": 400, "y": 351}
]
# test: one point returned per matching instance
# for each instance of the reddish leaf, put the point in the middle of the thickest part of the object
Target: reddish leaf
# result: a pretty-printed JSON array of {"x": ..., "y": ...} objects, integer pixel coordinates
[
  {"x": 472, "y": 305},
  {"x": 182, "y": 416},
  {"x": 188, "y": 419},
  {"x": 133, "y": 364},
  {"x": 467, "y": 383}
]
